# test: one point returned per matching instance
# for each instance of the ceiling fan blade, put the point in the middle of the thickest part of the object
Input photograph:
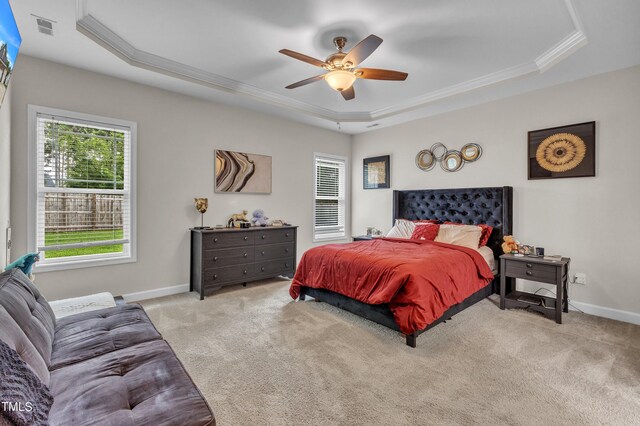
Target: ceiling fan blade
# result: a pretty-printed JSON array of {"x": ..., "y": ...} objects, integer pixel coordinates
[
  {"x": 305, "y": 81},
  {"x": 378, "y": 74},
  {"x": 362, "y": 50},
  {"x": 304, "y": 58},
  {"x": 348, "y": 94}
]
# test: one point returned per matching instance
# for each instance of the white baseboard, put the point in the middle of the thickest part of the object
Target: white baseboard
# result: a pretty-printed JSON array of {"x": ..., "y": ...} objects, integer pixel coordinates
[
  {"x": 601, "y": 311},
  {"x": 156, "y": 292}
]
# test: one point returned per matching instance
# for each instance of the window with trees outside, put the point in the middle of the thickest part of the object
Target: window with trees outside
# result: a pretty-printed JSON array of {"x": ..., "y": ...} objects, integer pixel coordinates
[
  {"x": 329, "y": 197},
  {"x": 82, "y": 189}
]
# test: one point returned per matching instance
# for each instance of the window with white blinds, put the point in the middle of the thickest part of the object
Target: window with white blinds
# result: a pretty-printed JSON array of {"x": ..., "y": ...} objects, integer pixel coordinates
[
  {"x": 329, "y": 198},
  {"x": 83, "y": 194}
]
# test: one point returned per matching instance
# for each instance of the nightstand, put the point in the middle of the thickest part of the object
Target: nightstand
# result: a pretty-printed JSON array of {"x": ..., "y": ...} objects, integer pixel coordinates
[
  {"x": 539, "y": 270},
  {"x": 362, "y": 238}
]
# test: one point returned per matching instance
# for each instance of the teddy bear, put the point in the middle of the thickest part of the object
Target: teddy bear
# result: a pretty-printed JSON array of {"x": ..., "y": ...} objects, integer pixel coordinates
[
  {"x": 259, "y": 219},
  {"x": 510, "y": 244}
]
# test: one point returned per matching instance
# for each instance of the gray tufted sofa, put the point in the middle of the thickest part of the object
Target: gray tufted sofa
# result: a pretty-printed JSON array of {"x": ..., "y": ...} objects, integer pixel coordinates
[{"x": 108, "y": 366}]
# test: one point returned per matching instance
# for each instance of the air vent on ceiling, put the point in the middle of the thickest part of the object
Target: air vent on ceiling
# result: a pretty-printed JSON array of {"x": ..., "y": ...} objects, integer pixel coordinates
[
  {"x": 45, "y": 26},
  {"x": 372, "y": 125}
]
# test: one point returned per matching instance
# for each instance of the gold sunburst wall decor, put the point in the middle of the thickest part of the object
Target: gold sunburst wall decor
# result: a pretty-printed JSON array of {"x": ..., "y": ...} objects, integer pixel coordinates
[{"x": 567, "y": 151}]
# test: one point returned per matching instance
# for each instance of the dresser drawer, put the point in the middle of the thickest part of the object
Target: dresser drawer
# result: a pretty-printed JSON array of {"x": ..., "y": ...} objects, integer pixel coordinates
[
  {"x": 274, "y": 267},
  {"x": 273, "y": 251},
  {"x": 236, "y": 273},
  {"x": 226, "y": 257},
  {"x": 531, "y": 271},
  {"x": 272, "y": 236},
  {"x": 226, "y": 239}
]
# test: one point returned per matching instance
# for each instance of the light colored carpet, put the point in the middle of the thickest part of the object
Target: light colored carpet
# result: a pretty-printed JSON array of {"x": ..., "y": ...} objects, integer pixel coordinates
[{"x": 260, "y": 358}]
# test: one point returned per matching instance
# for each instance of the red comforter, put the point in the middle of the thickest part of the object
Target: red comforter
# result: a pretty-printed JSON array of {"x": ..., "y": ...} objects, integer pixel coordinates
[{"x": 419, "y": 280}]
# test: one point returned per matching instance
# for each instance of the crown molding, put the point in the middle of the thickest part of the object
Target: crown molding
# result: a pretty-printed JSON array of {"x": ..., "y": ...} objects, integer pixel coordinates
[{"x": 92, "y": 28}]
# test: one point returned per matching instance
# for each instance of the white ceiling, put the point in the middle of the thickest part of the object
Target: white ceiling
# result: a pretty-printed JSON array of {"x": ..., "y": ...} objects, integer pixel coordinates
[{"x": 457, "y": 52}]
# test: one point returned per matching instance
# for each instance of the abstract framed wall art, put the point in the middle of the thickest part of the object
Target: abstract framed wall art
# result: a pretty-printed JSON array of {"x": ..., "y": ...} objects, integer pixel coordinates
[
  {"x": 242, "y": 172},
  {"x": 375, "y": 172},
  {"x": 562, "y": 152}
]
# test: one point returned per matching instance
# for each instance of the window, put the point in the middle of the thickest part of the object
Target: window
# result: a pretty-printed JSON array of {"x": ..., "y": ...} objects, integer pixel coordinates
[
  {"x": 82, "y": 201},
  {"x": 329, "y": 198}
]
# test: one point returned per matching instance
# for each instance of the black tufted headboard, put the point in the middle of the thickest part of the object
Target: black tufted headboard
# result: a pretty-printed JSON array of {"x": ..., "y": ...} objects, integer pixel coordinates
[{"x": 493, "y": 206}]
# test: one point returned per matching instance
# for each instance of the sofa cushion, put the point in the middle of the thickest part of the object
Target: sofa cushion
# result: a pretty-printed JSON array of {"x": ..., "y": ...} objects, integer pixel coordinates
[
  {"x": 12, "y": 335},
  {"x": 25, "y": 399},
  {"x": 141, "y": 385},
  {"x": 22, "y": 300},
  {"x": 90, "y": 334}
]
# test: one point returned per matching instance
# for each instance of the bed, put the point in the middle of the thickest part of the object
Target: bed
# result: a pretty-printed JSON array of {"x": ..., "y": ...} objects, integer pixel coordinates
[{"x": 492, "y": 206}]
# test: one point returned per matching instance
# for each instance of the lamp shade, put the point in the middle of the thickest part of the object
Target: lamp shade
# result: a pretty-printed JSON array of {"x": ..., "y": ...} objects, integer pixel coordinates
[{"x": 340, "y": 80}]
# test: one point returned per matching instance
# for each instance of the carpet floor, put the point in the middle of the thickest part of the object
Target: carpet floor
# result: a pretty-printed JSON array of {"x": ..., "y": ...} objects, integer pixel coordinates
[{"x": 260, "y": 358}]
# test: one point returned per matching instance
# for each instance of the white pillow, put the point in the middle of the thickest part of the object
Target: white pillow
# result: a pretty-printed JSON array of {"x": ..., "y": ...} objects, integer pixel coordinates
[
  {"x": 460, "y": 235},
  {"x": 402, "y": 229}
]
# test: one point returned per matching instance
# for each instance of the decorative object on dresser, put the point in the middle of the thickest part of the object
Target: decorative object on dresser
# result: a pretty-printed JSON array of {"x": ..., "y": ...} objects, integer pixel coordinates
[
  {"x": 259, "y": 218},
  {"x": 239, "y": 220},
  {"x": 450, "y": 160},
  {"x": 223, "y": 257},
  {"x": 201, "y": 205},
  {"x": 375, "y": 172},
  {"x": 539, "y": 270},
  {"x": 561, "y": 152},
  {"x": 242, "y": 172}
]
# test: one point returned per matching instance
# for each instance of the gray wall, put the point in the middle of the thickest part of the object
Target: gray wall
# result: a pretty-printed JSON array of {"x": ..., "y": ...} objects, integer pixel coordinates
[
  {"x": 176, "y": 138},
  {"x": 592, "y": 220},
  {"x": 5, "y": 174}
]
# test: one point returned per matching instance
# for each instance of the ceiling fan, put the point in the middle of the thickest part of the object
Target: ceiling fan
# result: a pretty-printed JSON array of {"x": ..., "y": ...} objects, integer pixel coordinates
[{"x": 342, "y": 66}]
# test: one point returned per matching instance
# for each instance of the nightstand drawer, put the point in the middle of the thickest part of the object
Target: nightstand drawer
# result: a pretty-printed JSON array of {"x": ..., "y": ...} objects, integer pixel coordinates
[{"x": 531, "y": 271}]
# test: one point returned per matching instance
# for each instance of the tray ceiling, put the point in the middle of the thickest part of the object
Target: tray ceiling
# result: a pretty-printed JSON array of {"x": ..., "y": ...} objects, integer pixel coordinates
[{"x": 229, "y": 49}]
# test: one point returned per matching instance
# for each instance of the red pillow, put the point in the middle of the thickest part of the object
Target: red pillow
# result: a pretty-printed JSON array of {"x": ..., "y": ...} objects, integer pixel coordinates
[
  {"x": 425, "y": 231},
  {"x": 484, "y": 236}
]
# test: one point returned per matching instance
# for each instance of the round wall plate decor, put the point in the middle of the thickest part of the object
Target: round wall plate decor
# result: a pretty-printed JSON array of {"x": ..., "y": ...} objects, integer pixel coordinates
[
  {"x": 471, "y": 152},
  {"x": 452, "y": 161},
  {"x": 438, "y": 150},
  {"x": 425, "y": 160}
]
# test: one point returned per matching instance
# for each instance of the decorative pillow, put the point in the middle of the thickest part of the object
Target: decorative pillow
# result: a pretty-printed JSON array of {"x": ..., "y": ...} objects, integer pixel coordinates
[
  {"x": 402, "y": 229},
  {"x": 21, "y": 387},
  {"x": 425, "y": 231},
  {"x": 486, "y": 231},
  {"x": 460, "y": 235}
]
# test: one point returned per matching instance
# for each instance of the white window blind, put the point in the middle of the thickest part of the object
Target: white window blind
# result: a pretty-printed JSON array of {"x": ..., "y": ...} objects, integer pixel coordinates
[
  {"x": 83, "y": 189},
  {"x": 329, "y": 198}
]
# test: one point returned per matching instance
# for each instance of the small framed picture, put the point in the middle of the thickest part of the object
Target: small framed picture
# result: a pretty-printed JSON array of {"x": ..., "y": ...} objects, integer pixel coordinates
[
  {"x": 562, "y": 152},
  {"x": 376, "y": 172}
]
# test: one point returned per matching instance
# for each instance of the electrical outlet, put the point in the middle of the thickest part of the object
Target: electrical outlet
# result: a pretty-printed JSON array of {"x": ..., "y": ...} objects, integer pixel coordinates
[{"x": 580, "y": 278}]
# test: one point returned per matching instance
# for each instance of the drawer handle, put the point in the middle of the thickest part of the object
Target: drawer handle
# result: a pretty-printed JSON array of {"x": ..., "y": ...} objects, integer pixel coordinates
[
  {"x": 262, "y": 253},
  {"x": 262, "y": 269},
  {"x": 244, "y": 255},
  {"x": 244, "y": 272},
  {"x": 215, "y": 276},
  {"x": 286, "y": 235},
  {"x": 286, "y": 265},
  {"x": 215, "y": 240},
  {"x": 246, "y": 238},
  {"x": 215, "y": 258},
  {"x": 286, "y": 250},
  {"x": 529, "y": 265},
  {"x": 529, "y": 273},
  {"x": 263, "y": 237}
]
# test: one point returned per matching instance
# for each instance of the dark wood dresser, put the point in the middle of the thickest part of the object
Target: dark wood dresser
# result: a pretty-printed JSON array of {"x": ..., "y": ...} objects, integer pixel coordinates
[{"x": 222, "y": 257}]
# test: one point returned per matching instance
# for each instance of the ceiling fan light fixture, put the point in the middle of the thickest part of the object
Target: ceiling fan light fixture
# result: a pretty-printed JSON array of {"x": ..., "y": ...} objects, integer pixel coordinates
[{"x": 340, "y": 79}]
